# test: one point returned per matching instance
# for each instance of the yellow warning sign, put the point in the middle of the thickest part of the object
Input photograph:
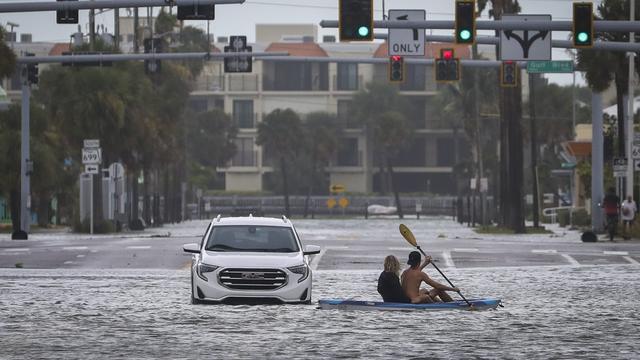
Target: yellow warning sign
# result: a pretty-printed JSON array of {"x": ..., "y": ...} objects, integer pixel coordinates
[
  {"x": 343, "y": 202},
  {"x": 337, "y": 188},
  {"x": 331, "y": 203}
]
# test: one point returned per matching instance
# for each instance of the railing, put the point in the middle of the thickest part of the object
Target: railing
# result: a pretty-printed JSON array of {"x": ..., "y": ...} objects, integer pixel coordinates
[
  {"x": 245, "y": 158},
  {"x": 242, "y": 121},
  {"x": 553, "y": 212},
  {"x": 341, "y": 84},
  {"x": 210, "y": 83},
  {"x": 243, "y": 82}
]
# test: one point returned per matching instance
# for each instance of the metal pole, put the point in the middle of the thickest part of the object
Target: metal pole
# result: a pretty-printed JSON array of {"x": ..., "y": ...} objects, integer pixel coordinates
[
  {"x": 102, "y": 4},
  {"x": 116, "y": 28},
  {"x": 630, "y": 112},
  {"x": 25, "y": 185},
  {"x": 534, "y": 148},
  {"x": 92, "y": 29},
  {"x": 597, "y": 162},
  {"x": 136, "y": 47},
  {"x": 91, "y": 207}
]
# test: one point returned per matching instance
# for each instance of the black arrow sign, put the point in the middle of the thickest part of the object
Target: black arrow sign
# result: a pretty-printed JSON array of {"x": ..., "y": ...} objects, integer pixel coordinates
[
  {"x": 415, "y": 31},
  {"x": 526, "y": 43}
]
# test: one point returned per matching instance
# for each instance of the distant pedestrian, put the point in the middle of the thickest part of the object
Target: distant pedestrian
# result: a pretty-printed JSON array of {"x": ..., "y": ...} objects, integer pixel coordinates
[{"x": 628, "y": 210}]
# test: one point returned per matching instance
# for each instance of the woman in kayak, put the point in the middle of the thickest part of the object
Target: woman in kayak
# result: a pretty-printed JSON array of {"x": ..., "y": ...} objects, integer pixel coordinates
[
  {"x": 389, "y": 282},
  {"x": 414, "y": 276}
]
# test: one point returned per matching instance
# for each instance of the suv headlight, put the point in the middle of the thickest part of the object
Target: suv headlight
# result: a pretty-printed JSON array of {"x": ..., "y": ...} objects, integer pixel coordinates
[
  {"x": 202, "y": 268},
  {"x": 300, "y": 269}
]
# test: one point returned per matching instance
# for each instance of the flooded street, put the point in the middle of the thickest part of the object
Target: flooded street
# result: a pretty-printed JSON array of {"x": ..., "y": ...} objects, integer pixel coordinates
[{"x": 551, "y": 311}]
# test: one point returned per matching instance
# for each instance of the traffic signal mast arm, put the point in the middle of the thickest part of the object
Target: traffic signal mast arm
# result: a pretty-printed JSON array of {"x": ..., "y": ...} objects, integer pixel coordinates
[
  {"x": 599, "y": 25},
  {"x": 150, "y": 56},
  {"x": 104, "y": 4}
]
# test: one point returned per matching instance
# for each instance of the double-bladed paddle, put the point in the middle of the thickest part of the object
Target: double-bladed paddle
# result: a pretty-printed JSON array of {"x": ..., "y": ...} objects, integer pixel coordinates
[{"x": 408, "y": 235}]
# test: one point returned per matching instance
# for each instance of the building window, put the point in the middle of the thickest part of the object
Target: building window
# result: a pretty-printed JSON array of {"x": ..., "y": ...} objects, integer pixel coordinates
[
  {"x": 345, "y": 114},
  {"x": 243, "y": 115},
  {"x": 445, "y": 152},
  {"x": 348, "y": 153},
  {"x": 245, "y": 154},
  {"x": 287, "y": 76},
  {"x": 347, "y": 76},
  {"x": 198, "y": 105}
]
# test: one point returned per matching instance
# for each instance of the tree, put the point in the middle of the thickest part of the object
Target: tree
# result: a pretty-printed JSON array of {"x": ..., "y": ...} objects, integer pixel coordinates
[
  {"x": 322, "y": 131},
  {"x": 210, "y": 144},
  {"x": 603, "y": 67},
  {"x": 368, "y": 104},
  {"x": 392, "y": 131},
  {"x": 7, "y": 57},
  {"x": 281, "y": 135}
]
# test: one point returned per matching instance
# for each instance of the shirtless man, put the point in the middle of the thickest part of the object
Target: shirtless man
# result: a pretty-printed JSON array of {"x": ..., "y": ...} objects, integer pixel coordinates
[{"x": 414, "y": 276}]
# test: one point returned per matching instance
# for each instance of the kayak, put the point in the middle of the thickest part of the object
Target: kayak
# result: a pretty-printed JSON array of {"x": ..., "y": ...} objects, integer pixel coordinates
[{"x": 340, "y": 304}]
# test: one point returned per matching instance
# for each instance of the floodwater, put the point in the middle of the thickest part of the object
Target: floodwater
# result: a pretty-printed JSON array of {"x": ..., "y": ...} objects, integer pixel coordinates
[{"x": 562, "y": 313}]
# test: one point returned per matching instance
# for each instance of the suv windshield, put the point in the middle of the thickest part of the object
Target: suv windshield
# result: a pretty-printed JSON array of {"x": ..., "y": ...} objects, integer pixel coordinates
[{"x": 252, "y": 238}]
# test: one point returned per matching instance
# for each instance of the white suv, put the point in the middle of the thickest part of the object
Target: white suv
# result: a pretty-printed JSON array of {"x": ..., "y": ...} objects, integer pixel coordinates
[{"x": 250, "y": 259}]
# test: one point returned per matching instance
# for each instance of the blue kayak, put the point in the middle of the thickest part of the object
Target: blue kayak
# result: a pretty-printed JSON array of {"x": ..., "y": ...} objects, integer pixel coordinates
[{"x": 340, "y": 304}]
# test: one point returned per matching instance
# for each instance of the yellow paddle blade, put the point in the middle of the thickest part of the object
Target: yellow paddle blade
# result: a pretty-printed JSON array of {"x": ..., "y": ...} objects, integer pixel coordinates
[{"x": 408, "y": 235}]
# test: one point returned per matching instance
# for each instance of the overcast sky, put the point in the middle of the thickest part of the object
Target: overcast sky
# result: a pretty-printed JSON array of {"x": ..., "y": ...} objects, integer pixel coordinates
[{"x": 240, "y": 19}]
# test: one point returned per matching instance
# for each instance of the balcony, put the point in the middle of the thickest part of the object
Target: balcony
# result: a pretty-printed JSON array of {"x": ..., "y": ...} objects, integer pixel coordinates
[
  {"x": 210, "y": 83},
  {"x": 244, "y": 82},
  {"x": 245, "y": 121},
  {"x": 347, "y": 84},
  {"x": 245, "y": 159}
]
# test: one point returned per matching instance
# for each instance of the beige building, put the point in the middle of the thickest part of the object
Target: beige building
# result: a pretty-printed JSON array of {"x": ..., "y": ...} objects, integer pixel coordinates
[{"x": 425, "y": 166}]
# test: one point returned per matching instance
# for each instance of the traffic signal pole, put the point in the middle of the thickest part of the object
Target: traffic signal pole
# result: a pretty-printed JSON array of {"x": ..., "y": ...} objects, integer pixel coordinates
[
  {"x": 630, "y": 112},
  {"x": 25, "y": 185},
  {"x": 104, "y": 4}
]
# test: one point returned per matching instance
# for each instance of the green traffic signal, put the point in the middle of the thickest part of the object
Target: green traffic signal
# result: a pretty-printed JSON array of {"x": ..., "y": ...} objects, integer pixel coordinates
[
  {"x": 363, "y": 31},
  {"x": 465, "y": 34},
  {"x": 583, "y": 37}
]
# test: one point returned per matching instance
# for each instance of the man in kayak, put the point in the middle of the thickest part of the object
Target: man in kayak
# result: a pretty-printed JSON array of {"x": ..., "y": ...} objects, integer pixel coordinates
[
  {"x": 414, "y": 276},
  {"x": 389, "y": 282}
]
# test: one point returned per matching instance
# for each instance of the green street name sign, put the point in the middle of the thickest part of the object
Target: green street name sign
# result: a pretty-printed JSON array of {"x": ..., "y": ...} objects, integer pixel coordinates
[{"x": 564, "y": 66}]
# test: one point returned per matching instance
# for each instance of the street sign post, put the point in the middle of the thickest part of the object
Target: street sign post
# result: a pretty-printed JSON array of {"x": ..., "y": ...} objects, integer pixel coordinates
[
  {"x": 91, "y": 158},
  {"x": 560, "y": 66},
  {"x": 620, "y": 167},
  {"x": 406, "y": 42},
  {"x": 525, "y": 45},
  {"x": 92, "y": 169}
]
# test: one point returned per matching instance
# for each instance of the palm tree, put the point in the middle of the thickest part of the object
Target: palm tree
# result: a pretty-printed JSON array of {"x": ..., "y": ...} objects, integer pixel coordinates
[
  {"x": 391, "y": 131},
  {"x": 322, "y": 131},
  {"x": 603, "y": 67},
  {"x": 281, "y": 135}
]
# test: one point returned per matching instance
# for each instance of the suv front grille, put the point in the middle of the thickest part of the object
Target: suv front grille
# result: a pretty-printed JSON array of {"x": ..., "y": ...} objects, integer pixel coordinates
[{"x": 252, "y": 279}]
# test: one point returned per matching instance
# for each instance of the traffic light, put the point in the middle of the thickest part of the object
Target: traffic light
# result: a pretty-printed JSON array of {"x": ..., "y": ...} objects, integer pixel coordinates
[
  {"x": 238, "y": 64},
  {"x": 509, "y": 74},
  {"x": 465, "y": 21},
  {"x": 67, "y": 16},
  {"x": 356, "y": 20},
  {"x": 396, "y": 69},
  {"x": 447, "y": 66},
  {"x": 583, "y": 25},
  {"x": 152, "y": 46},
  {"x": 196, "y": 12},
  {"x": 30, "y": 71}
]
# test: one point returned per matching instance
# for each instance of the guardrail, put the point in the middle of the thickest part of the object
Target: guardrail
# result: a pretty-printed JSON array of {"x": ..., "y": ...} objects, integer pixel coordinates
[{"x": 553, "y": 212}]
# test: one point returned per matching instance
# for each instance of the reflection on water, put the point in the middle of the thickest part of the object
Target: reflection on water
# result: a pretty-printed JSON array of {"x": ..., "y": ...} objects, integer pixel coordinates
[{"x": 564, "y": 312}]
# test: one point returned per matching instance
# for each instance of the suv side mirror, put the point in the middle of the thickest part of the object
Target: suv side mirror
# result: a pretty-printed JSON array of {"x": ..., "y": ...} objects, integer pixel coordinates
[
  {"x": 191, "y": 248},
  {"x": 311, "y": 249}
]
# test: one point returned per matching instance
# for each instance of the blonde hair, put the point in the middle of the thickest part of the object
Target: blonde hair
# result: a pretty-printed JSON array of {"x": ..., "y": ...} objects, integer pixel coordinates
[{"x": 391, "y": 264}]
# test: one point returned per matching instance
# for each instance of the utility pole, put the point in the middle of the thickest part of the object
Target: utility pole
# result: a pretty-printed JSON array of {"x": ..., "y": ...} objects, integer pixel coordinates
[
  {"x": 136, "y": 47},
  {"x": 116, "y": 28},
  {"x": 534, "y": 148},
  {"x": 597, "y": 163},
  {"x": 92, "y": 29},
  {"x": 630, "y": 112}
]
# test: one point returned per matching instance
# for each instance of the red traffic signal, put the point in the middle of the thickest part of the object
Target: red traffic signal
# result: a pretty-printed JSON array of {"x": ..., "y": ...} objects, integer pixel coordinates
[
  {"x": 396, "y": 69},
  {"x": 446, "y": 54}
]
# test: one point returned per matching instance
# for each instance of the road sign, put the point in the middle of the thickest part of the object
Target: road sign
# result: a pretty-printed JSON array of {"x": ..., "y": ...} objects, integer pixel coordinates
[
  {"x": 337, "y": 188},
  {"x": 620, "y": 167},
  {"x": 91, "y": 143},
  {"x": 343, "y": 202},
  {"x": 116, "y": 171},
  {"x": 525, "y": 45},
  {"x": 406, "y": 42},
  {"x": 238, "y": 64},
  {"x": 92, "y": 168},
  {"x": 91, "y": 156},
  {"x": 635, "y": 151},
  {"x": 331, "y": 203},
  {"x": 560, "y": 66}
]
